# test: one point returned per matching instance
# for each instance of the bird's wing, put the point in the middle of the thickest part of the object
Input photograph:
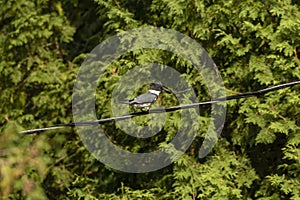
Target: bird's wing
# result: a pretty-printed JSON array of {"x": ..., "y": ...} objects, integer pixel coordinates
[{"x": 145, "y": 98}]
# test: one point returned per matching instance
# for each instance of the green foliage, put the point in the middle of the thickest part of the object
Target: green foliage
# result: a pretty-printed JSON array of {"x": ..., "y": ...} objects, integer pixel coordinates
[
  {"x": 23, "y": 166},
  {"x": 255, "y": 44}
]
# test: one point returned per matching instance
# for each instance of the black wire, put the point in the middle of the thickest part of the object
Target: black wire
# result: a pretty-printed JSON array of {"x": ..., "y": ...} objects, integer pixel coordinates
[{"x": 171, "y": 109}]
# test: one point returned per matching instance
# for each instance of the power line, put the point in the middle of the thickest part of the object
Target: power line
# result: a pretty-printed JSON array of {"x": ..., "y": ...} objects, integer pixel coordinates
[{"x": 171, "y": 109}]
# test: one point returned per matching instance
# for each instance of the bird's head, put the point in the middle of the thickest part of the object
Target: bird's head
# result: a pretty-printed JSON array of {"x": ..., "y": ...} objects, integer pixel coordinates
[{"x": 158, "y": 86}]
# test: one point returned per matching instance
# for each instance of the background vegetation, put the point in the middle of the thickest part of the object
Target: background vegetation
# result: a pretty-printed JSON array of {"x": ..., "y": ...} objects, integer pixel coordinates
[{"x": 255, "y": 44}]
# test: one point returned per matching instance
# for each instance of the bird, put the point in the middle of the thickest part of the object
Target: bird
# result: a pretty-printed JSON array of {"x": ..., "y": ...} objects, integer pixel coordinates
[{"x": 144, "y": 101}]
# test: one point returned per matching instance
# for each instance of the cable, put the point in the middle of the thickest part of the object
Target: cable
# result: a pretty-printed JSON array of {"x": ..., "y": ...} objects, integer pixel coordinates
[{"x": 171, "y": 109}]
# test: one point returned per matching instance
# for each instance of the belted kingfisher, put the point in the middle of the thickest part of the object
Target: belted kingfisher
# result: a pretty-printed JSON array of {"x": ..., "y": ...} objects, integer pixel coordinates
[{"x": 145, "y": 100}]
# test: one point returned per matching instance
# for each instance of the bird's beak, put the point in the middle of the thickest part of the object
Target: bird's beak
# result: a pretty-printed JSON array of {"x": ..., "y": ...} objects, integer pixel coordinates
[{"x": 166, "y": 90}]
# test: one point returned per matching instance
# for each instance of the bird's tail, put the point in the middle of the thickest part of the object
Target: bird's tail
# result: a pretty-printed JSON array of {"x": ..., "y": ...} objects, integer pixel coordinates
[{"x": 124, "y": 102}]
